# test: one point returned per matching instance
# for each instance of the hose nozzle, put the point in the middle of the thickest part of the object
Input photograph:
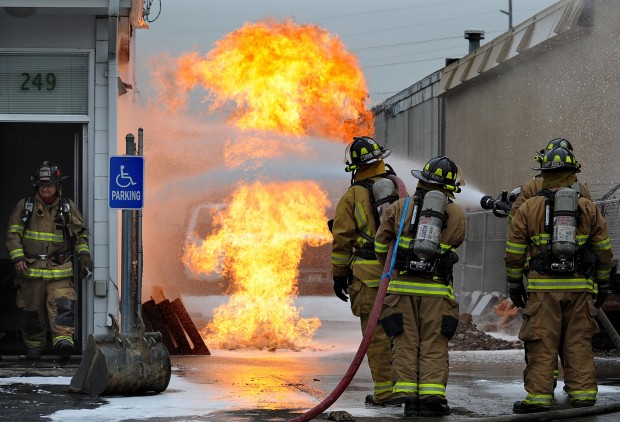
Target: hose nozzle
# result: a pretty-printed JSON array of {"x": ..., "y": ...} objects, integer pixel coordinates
[{"x": 501, "y": 207}]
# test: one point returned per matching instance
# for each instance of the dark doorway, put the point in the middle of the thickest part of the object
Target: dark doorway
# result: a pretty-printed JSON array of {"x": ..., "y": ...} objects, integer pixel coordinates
[{"x": 23, "y": 147}]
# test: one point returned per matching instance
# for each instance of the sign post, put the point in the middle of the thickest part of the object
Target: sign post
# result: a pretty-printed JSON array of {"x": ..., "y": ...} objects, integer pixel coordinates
[{"x": 126, "y": 183}]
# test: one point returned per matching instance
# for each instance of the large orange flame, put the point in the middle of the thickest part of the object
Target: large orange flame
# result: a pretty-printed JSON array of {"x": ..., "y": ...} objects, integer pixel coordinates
[
  {"x": 279, "y": 76},
  {"x": 258, "y": 244},
  {"x": 283, "y": 81}
]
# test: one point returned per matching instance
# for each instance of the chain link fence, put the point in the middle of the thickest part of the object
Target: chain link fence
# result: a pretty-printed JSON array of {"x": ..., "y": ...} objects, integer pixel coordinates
[{"x": 481, "y": 257}]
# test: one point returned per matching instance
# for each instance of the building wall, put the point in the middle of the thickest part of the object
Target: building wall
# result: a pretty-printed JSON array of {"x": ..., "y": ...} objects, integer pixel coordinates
[
  {"x": 409, "y": 123},
  {"x": 47, "y": 32},
  {"x": 85, "y": 32},
  {"x": 566, "y": 87}
]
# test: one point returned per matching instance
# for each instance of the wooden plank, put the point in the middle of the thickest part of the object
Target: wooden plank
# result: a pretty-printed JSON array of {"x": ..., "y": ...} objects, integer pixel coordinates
[
  {"x": 175, "y": 328},
  {"x": 155, "y": 321},
  {"x": 200, "y": 348}
]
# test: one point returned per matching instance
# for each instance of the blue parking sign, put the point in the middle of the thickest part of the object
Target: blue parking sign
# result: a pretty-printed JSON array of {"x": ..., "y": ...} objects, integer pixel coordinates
[{"x": 126, "y": 182}]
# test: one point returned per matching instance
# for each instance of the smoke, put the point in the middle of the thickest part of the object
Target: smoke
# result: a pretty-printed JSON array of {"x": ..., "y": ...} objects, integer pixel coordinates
[{"x": 185, "y": 169}]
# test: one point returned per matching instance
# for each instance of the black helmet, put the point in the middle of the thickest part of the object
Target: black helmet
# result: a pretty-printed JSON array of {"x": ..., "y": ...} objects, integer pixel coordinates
[
  {"x": 439, "y": 171},
  {"x": 554, "y": 143},
  {"x": 47, "y": 173},
  {"x": 363, "y": 150},
  {"x": 559, "y": 159}
]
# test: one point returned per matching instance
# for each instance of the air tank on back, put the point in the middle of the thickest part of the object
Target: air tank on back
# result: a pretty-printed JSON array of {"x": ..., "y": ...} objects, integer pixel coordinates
[
  {"x": 428, "y": 236},
  {"x": 384, "y": 192},
  {"x": 564, "y": 238}
]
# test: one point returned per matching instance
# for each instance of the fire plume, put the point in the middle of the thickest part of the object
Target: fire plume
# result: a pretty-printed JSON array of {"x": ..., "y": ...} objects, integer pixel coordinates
[
  {"x": 258, "y": 244},
  {"x": 278, "y": 76}
]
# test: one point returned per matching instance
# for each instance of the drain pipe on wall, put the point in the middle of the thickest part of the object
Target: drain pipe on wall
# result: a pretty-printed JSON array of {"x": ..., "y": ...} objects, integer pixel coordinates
[
  {"x": 113, "y": 293},
  {"x": 372, "y": 322}
]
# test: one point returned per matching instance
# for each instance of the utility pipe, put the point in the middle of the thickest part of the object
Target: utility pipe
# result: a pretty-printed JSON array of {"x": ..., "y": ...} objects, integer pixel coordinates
[
  {"x": 140, "y": 255},
  {"x": 127, "y": 257},
  {"x": 112, "y": 298}
]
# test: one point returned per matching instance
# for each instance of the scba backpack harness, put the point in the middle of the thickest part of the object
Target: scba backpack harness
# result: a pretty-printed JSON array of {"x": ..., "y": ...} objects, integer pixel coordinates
[
  {"x": 62, "y": 219},
  {"x": 563, "y": 254},
  {"x": 423, "y": 256},
  {"x": 383, "y": 193}
]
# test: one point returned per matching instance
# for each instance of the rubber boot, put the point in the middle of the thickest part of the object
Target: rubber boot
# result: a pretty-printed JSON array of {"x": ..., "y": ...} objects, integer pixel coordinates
[
  {"x": 433, "y": 407},
  {"x": 64, "y": 349},
  {"x": 370, "y": 401},
  {"x": 582, "y": 403},
  {"x": 412, "y": 408},
  {"x": 34, "y": 353},
  {"x": 521, "y": 407}
]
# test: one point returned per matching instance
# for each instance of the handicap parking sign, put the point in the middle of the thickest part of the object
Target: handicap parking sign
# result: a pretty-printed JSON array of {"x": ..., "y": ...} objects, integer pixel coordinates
[{"x": 126, "y": 182}]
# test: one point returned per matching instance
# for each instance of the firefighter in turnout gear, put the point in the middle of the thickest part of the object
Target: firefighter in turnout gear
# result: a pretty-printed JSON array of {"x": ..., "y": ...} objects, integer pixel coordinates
[
  {"x": 356, "y": 271},
  {"x": 45, "y": 231},
  {"x": 420, "y": 312},
  {"x": 567, "y": 242},
  {"x": 533, "y": 186}
]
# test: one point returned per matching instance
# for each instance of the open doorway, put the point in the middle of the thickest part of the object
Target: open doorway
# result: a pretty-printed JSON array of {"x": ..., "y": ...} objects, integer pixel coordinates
[{"x": 23, "y": 147}]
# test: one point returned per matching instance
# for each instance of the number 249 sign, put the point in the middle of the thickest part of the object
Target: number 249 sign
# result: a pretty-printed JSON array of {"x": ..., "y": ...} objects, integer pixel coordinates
[{"x": 38, "y": 82}]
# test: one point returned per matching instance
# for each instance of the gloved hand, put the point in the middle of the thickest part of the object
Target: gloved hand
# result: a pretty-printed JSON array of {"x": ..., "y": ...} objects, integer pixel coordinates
[
  {"x": 445, "y": 262},
  {"x": 86, "y": 266},
  {"x": 517, "y": 294},
  {"x": 602, "y": 294},
  {"x": 340, "y": 288}
]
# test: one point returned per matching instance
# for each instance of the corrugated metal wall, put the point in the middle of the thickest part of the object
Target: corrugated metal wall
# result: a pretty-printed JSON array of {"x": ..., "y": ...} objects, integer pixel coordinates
[{"x": 410, "y": 122}]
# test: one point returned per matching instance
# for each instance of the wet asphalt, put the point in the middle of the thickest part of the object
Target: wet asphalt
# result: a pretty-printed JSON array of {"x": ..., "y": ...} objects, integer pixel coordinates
[{"x": 272, "y": 386}]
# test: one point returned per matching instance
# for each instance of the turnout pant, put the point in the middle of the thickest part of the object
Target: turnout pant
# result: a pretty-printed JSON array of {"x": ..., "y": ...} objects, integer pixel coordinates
[
  {"x": 420, "y": 327},
  {"x": 44, "y": 303},
  {"x": 559, "y": 322}
]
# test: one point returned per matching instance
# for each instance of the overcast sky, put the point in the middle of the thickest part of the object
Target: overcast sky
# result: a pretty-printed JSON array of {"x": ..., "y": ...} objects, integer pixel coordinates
[{"x": 397, "y": 42}]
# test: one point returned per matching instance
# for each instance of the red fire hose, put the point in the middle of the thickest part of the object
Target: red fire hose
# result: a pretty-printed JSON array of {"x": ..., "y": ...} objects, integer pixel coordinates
[
  {"x": 370, "y": 329},
  {"x": 359, "y": 356}
]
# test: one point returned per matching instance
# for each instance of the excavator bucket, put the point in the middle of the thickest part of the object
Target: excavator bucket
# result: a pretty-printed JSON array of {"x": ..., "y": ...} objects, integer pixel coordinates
[{"x": 123, "y": 364}]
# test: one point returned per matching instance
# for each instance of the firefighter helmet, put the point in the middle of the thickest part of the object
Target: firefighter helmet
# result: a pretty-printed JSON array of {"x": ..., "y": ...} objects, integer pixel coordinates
[
  {"x": 554, "y": 143},
  {"x": 559, "y": 158},
  {"x": 559, "y": 142},
  {"x": 440, "y": 171},
  {"x": 363, "y": 150},
  {"x": 48, "y": 173}
]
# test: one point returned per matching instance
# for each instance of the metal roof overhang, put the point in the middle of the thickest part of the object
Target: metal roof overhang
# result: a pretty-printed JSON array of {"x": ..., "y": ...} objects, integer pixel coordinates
[
  {"x": 64, "y": 7},
  {"x": 552, "y": 21}
]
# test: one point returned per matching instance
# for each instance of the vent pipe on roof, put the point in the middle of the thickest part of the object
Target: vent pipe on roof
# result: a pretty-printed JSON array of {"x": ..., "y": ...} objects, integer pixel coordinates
[{"x": 474, "y": 36}]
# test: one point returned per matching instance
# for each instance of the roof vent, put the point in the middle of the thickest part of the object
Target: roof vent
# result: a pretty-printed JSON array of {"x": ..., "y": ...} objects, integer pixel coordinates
[{"x": 474, "y": 36}]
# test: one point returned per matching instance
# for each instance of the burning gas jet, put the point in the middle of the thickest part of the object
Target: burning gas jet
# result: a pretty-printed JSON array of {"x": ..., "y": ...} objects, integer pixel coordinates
[
  {"x": 281, "y": 77},
  {"x": 281, "y": 80}
]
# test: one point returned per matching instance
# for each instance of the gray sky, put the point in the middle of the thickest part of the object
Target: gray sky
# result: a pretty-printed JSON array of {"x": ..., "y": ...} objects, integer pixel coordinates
[{"x": 397, "y": 42}]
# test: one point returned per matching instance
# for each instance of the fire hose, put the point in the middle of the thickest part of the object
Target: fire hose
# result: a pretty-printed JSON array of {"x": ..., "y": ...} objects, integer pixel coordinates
[
  {"x": 608, "y": 326},
  {"x": 370, "y": 328}
]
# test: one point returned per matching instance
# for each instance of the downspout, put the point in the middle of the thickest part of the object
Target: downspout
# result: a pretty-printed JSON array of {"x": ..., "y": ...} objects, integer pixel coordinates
[{"x": 113, "y": 282}]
